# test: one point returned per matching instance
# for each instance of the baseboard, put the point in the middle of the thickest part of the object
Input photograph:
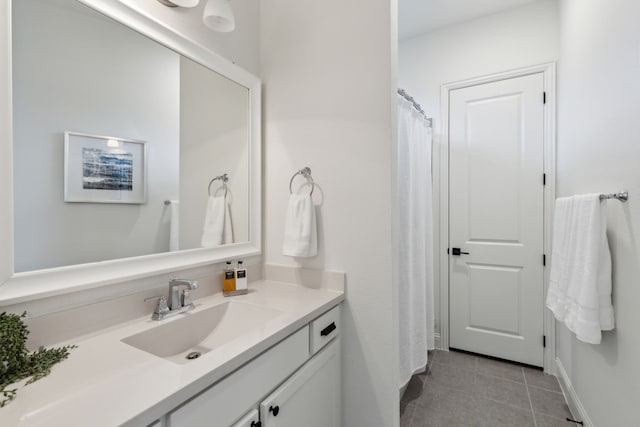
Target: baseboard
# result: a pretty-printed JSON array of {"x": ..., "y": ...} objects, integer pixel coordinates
[{"x": 570, "y": 395}]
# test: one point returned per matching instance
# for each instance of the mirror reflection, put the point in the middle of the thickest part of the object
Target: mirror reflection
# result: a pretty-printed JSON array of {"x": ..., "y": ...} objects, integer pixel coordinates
[{"x": 137, "y": 131}]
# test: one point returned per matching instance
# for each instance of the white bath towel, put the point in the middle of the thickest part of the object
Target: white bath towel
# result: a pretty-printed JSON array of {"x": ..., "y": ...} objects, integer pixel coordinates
[
  {"x": 580, "y": 278},
  {"x": 300, "y": 233},
  {"x": 218, "y": 229},
  {"x": 174, "y": 228}
]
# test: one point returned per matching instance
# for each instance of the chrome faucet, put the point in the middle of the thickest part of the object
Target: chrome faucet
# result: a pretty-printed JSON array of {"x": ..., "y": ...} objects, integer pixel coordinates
[
  {"x": 179, "y": 299},
  {"x": 176, "y": 298}
]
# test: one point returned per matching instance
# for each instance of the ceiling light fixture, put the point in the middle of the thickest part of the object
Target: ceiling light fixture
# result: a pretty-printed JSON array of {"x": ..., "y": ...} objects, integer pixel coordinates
[
  {"x": 218, "y": 16},
  {"x": 180, "y": 3}
]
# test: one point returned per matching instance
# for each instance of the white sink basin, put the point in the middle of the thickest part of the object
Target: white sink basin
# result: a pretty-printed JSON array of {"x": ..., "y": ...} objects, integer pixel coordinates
[{"x": 202, "y": 331}]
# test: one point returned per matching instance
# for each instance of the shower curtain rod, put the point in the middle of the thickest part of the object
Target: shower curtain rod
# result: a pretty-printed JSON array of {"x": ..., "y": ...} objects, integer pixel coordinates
[{"x": 417, "y": 106}]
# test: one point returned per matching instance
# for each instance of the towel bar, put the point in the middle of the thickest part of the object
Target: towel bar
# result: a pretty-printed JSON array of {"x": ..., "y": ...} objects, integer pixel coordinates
[
  {"x": 306, "y": 172},
  {"x": 623, "y": 196}
]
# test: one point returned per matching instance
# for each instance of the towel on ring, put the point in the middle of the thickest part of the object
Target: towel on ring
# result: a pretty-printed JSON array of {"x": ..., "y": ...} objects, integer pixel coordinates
[
  {"x": 300, "y": 230},
  {"x": 580, "y": 279},
  {"x": 217, "y": 223}
]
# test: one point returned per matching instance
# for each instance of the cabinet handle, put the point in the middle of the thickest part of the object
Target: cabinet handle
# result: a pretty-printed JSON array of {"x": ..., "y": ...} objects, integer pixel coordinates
[
  {"x": 256, "y": 424},
  {"x": 275, "y": 410},
  {"x": 328, "y": 329}
]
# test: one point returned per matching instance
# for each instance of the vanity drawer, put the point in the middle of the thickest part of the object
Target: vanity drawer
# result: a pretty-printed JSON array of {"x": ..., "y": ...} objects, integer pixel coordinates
[{"x": 324, "y": 329}]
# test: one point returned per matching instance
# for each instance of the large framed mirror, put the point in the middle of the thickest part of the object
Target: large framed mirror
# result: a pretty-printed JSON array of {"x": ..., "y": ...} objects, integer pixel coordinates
[{"x": 127, "y": 150}]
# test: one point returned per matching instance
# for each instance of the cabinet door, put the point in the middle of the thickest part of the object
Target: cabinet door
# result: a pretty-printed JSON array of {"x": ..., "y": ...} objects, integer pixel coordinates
[
  {"x": 250, "y": 420},
  {"x": 311, "y": 397}
]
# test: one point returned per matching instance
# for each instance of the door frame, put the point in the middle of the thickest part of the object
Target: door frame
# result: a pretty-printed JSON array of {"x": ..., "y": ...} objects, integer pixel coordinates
[{"x": 548, "y": 71}]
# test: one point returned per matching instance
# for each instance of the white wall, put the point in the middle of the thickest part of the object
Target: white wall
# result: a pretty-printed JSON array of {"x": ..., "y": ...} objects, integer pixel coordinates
[
  {"x": 214, "y": 140},
  {"x": 66, "y": 60},
  {"x": 239, "y": 46},
  {"x": 326, "y": 68},
  {"x": 598, "y": 151},
  {"x": 504, "y": 41}
]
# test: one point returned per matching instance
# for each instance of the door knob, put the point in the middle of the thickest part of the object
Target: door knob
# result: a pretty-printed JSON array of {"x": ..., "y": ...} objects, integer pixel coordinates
[
  {"x": 274, "y": 410},
  {"x": 458, "y": 252}
]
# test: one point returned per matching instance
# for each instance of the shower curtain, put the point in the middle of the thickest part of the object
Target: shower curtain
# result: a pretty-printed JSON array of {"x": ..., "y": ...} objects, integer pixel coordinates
[{"x": 415, "y": 241}]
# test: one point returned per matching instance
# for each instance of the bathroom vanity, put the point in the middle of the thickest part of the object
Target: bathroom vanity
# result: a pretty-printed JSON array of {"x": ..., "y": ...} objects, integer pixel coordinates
[{"x": 270, "y": 358}]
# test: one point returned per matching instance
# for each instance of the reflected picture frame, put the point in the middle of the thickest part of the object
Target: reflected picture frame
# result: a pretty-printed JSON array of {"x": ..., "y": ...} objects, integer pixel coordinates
[{"x": 104, "y": 169}]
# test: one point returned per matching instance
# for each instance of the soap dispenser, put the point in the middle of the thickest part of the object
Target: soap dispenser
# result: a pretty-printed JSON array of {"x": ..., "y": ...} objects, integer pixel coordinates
[
  {"x": 241, "y": 279},
  {"x": 228, "y": 280}
]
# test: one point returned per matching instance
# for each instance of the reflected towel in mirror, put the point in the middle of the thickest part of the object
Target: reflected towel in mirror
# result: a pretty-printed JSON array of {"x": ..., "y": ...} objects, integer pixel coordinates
[
  {"x": 174, "y": 228},
  {"x": 217, "y": 223}
]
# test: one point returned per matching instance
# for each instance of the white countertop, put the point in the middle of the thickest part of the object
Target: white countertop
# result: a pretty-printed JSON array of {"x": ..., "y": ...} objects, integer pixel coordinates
[{"x": 106, "y": 382}]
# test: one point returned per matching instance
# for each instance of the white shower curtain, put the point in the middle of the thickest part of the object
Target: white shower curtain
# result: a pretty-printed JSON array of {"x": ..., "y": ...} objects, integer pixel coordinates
[{"x": 415, "y": 241}]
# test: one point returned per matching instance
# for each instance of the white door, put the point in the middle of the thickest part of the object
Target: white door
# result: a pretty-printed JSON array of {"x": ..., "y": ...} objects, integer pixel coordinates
[
  {"x": 311, "y": 397},
  {"x": 496, "y": 218}
]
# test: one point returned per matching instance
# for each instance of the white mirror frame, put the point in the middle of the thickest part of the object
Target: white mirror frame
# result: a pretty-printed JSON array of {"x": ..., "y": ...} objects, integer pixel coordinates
[{"x": 17, "y": 288}]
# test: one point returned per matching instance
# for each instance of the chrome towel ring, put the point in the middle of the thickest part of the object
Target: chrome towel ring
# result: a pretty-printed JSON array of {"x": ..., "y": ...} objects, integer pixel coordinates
[
  {"x": 224, "y": 178},
  {"x": 305, "y": 172}
]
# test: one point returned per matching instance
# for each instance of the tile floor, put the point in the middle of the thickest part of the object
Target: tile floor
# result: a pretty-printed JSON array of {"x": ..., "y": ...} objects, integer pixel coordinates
[{"x": 463, "y": 389}]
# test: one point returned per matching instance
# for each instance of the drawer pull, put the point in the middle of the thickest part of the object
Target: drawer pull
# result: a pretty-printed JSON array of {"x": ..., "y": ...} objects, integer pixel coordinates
[
  {"x": 326, "y": 331},
  {"x": 275, "y": 410}
]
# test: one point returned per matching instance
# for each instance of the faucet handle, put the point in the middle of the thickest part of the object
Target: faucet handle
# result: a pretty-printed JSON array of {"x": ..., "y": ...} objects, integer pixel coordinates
[{"x": 162, "y": 306}]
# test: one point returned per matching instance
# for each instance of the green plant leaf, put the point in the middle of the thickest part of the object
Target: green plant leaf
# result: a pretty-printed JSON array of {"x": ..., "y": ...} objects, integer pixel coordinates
[{"x": 16, "y": 363}]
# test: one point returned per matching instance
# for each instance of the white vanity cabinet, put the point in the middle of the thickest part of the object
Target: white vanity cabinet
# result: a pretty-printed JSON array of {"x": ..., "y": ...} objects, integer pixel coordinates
[
  {"x": 311, "y": 397},
  {"x": 294, "y": 383},
  {"x": 229, "y": 399},
  {"x": 252, "y": 419}
]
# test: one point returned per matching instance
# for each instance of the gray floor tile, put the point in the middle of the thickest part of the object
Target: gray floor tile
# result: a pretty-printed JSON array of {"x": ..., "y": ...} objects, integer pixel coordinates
[
  {"x": 455, "y": 358},
  {"x": 406, "y": 413},
  {"x": 444, "y": 407},
  {"x": 462, "y": 390},
  {"x": 499, "y": 368},
  {"x": 450, "y": 376},
  {"x": 494, "y": 414},
  {"x": 537, "y": 378},
  {"x": 414, "y": 389},
  {"x": 548, "y": 402},
  {"x": 543, "y": 420},
  {"x": 502, "y": 390}
]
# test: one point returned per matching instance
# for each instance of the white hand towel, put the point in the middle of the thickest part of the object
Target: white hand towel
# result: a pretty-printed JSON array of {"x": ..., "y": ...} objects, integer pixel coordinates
[
  {"x": 218, "y": 229},
  {"x": 300, "y": 230},
  {"x": 174, "y": 228},
  {"x": 580, "y": 279}
]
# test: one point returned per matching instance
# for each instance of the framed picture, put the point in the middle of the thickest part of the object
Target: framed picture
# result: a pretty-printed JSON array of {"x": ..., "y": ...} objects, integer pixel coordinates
[{"x": 104, "y": 169}]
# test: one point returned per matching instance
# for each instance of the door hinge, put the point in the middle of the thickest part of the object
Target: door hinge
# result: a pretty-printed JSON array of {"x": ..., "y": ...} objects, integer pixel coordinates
[
  {"x": 544, "y": 179},
  {"x": 544, "y": 97},
  {"x": 544, "y": 259},
  {"x": 447, "y": 251},
  {"x": 544, "y": 341}
]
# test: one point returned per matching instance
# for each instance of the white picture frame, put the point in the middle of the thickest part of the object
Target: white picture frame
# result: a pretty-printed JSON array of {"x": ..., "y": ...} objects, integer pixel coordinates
[{"x": 104, "y": 169}]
